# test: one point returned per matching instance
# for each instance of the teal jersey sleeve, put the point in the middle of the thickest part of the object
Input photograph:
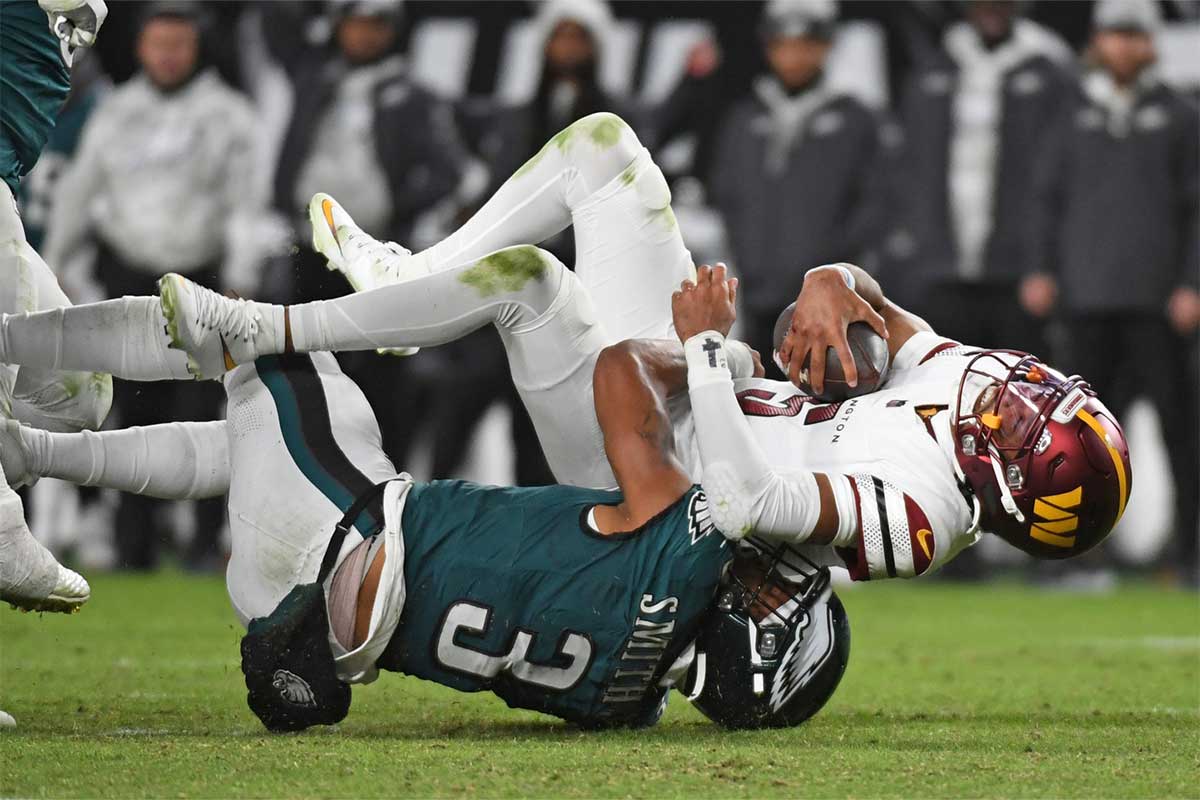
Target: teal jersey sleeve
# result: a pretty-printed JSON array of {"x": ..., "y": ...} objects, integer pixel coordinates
[
  {"x": 34, "y": 83},
  {"x": 509, "y": 590}
]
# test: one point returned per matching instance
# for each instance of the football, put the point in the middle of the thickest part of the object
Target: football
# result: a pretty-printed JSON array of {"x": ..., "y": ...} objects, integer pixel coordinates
[{"x": 870, "y": 357}]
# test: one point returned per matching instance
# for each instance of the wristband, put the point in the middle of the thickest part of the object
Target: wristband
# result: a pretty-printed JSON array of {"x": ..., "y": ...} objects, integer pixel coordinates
[
  {"x": 741, "y": 361},
  {"x": 706, "y": 359},
  {"x": 847, "y": 275}
]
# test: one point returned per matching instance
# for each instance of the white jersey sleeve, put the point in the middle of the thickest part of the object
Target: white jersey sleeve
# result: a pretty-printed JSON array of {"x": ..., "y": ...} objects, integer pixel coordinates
[
  {"x": 900, "y": 507},
  {"x": 900, "y": 536}
]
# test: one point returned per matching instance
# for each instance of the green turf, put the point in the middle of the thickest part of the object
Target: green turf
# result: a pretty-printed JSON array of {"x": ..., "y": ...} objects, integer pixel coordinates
[{"x": 952, "y": 691}]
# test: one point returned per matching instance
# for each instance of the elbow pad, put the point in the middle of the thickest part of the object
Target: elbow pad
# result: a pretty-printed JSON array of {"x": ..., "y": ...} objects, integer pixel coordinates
[
  {"x": 729, "y": 505},
  {"x": 783, "y": 507}
]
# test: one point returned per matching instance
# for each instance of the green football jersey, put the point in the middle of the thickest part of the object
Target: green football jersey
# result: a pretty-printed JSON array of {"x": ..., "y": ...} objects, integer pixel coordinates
[
  {"x": 34, "y": 82},
  {"x": 510, "y": 590}
]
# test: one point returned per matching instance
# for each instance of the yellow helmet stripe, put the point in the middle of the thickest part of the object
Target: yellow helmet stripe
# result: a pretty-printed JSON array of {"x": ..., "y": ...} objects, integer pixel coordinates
[
  {"x": 1043, "y": 535},
  {"x": 1059, "y": 526},
  {"x": 1118, "y": 462}
]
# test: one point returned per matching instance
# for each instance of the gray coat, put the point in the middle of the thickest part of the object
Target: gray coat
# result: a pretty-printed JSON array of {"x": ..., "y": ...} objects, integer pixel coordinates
[
  {"x": 797, "y": 187},
  {"x": 1116, "y": 198}
]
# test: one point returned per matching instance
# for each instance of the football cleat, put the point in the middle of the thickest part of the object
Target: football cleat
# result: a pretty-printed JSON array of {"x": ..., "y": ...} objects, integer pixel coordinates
[
  {"x": 31, "y": 579},
  {"x": 365, "y": 262},
  {"x": 217, "y": 333}
]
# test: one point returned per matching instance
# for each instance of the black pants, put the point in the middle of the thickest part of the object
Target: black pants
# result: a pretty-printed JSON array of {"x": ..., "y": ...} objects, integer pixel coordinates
[
  {"x": 1129, "y": 355},
  {"x": 140, "y": 528},
  {"x": 982, "y": 314}
]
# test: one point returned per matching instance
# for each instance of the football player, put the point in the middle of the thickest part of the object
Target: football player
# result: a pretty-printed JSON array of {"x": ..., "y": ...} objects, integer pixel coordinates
[
  {"x": 586, "y": 604},
  {"x": 894, "y": 484},
  {"x": 38, "y": 41}
]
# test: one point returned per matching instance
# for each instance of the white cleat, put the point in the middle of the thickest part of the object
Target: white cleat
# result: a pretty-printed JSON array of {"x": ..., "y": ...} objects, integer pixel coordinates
[
  {"x": 6, "y": 720},
  {"x": 32, "y": 580},
  {"x": 216, "y": 332},
  {"x": 365, "y": 262}
]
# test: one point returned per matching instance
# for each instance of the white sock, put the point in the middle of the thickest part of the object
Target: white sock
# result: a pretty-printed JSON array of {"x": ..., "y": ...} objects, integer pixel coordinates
[
  {"x": 508, "y": 288},
  {"x": 175, "y": 461},
  {"x": 124, "y": 337}
]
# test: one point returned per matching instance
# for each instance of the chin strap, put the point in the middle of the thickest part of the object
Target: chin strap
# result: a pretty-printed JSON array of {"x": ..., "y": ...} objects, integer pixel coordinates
[
  {"x": 944, "y": 434},
  {"x": 1006, "y": 498}
]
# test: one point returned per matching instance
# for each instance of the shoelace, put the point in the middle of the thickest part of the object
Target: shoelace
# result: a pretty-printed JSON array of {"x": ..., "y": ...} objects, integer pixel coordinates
[
  {"x": 231, "y": 318},
  {"x": 390, "y": 256}
]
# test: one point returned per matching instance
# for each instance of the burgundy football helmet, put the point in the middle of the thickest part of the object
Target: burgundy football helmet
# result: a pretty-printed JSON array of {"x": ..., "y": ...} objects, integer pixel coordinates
[{"x": 1046, "y": 460}]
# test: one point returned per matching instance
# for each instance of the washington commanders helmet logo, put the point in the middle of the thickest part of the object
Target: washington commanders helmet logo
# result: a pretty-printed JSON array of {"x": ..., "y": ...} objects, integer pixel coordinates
[
  {"x": 293, "y": 688},
  {"x": 1056, "y": 519}
]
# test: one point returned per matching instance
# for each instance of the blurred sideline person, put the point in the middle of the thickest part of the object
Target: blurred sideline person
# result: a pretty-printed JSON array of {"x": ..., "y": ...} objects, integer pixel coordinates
[
  {"x": 361, "y": 123},
  {"x": 39, "y": 42},
  {"x": 164, "y": 171},
  {"x": 892, "y": 484},
  {"x": 974, "y": 121},
  {"x": 1116, "y": 248},
  {"x": 794, "y": 166}
]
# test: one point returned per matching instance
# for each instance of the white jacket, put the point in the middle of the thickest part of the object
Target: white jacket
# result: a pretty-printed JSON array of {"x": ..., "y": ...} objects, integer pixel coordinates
[{"x": 161, "y": 178}]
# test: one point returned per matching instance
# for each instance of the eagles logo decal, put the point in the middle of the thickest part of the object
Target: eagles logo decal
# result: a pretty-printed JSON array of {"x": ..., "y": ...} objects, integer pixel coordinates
[
  {"x": 293, "y": 688},
  {"x": 809, "y": 649},
  {"x": 699, "y": 520}
]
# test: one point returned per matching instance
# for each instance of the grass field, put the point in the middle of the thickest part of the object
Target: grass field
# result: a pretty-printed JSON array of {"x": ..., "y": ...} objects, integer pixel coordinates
[{"x": 952, "y": 690}]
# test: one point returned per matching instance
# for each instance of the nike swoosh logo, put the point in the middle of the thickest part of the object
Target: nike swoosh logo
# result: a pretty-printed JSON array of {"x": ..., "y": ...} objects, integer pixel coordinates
[
  {"x": 924, "y": 536},
  {"x": 327, "y": 210},
  {"x": 229, "y": 362}
]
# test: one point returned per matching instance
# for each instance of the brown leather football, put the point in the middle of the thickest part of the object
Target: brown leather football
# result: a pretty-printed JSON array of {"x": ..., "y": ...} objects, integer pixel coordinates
[{"x": 870, "y": 356}]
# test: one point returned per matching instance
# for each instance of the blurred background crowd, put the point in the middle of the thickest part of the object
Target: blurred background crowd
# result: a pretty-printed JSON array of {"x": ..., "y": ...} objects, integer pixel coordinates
[{"x": 1021, "y": 174}]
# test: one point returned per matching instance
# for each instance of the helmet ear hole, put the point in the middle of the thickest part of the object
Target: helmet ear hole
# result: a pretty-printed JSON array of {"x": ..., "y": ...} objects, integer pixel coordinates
[{"x": 1055, "y": 463}]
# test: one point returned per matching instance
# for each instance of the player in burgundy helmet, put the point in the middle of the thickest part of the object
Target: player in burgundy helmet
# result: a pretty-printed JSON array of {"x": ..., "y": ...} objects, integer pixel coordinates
[
  {"x": 1042, "y": 462},
  {"x": 884, "y": 484},
  {"x": 1046, "y": 460}
]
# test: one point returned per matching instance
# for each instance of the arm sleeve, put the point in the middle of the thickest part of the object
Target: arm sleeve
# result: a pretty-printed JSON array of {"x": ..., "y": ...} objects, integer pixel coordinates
[
  {"x": 896, "y": 538},
  {"x": 745, "y": 493}
]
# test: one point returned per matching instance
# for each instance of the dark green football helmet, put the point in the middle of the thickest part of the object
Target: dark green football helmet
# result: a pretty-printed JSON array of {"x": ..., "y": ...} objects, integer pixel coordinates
[{"x": 775, "y": 645}]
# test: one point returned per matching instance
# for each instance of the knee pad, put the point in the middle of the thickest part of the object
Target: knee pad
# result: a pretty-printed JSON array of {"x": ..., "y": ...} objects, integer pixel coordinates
[
  {"x": 527, "y": 277},
  {"x": 63, "y": 402},
  {"x": 612, "y": 147}
]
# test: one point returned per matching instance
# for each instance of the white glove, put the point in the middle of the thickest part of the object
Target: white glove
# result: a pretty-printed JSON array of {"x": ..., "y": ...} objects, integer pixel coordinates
[{"x": 75, "y": 22}]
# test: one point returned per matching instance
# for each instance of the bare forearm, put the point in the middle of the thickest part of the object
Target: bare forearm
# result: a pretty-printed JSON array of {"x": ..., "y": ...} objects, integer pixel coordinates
[
  {"x": 867, "y": 287},
  {"x": 664, "y": 363}
]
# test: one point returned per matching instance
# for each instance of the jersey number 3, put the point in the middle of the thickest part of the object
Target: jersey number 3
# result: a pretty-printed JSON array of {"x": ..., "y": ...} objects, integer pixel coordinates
[{"x": 464, "y": 618}]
